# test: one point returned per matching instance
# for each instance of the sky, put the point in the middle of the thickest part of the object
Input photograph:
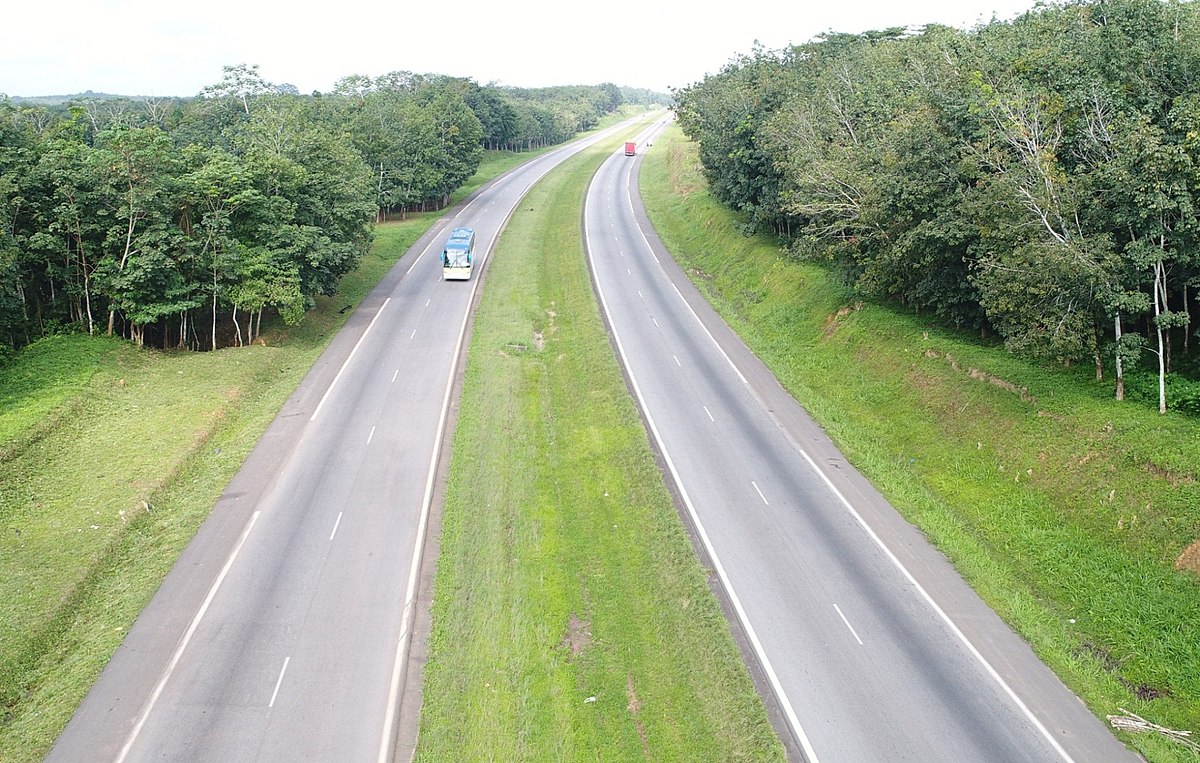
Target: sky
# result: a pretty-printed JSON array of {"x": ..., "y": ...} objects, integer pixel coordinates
[{"x": 157, "y": 48}]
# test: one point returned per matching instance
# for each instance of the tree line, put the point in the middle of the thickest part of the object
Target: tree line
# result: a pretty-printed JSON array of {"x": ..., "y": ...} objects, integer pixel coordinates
[
  {"x": 1038, "y": 179},
  {"x": 179, "y": 221}
]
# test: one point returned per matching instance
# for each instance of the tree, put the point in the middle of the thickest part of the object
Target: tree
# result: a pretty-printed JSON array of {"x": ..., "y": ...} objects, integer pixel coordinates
[{"x": 241, "y": 83}]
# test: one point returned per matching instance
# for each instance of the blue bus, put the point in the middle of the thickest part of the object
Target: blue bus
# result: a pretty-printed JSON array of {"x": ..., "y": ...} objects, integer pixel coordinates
[{"x": 458, "y": 255}]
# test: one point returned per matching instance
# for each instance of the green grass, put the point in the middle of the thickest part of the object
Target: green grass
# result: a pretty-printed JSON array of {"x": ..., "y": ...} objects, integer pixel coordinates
[
  {"x": 92, "y": 432},
  {"x": 1065, "y": 509},
  {"x": 571, "y": 620}
]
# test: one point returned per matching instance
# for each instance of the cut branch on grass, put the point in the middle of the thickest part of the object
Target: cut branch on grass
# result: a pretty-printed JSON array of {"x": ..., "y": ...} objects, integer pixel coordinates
[{"x": 1136, "y": 724}]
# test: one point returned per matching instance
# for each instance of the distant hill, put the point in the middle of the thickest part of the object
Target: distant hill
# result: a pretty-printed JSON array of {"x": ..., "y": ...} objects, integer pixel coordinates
[{"x": 89, "y": 95}]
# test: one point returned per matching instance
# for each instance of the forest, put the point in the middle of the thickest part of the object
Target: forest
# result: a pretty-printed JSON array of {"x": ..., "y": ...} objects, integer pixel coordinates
[
  {"x": 1034, "y": 180},
  {"x": 177, "y": 222}
]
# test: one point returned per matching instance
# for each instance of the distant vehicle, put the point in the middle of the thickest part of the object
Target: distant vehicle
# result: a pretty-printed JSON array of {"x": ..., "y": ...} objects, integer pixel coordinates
[
  {"x": 630, "y": 148},
  {"x": 458, "y": 256}
]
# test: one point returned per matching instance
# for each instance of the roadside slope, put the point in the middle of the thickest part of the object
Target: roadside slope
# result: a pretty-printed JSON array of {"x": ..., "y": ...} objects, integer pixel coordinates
[{"x": 1065, "y": 510}]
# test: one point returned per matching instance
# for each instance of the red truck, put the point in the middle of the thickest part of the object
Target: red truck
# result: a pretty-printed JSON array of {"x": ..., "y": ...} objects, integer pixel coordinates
[{"x": 630, "y": 148}]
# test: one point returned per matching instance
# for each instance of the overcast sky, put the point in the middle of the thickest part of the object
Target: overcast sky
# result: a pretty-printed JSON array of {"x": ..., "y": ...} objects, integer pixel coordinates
[{"x": 164, "y": 47}]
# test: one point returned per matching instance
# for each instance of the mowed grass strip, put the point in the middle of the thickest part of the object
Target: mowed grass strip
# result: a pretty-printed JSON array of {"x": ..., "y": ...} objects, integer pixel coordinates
[
  {"x": 1069, "y": 512},
  {"x": 110, "y": 458},
  {"x": 571, "y": 618}
]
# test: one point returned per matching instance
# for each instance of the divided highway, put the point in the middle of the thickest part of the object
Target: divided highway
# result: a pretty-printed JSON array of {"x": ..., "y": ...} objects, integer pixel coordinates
[
  {"x": 282, "y": 632},
  {"x": 867, "y": 643}
]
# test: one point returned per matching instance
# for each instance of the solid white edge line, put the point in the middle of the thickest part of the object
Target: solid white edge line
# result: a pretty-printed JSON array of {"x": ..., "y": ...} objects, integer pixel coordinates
[
  {"x": 385, "y": 742},
  {"x": 991, "y": 671},
  {"x": 349, "y": 358},
  {"x": 389, "y": 723},
  {"x": 183, "y": 643},
  {"x": 945, "y": 618},
  {"x": 751, "y": 634},
  {"x": 848, "y": 625},
  {"x": 279, "y": 681},
  {"x": 720, "y": 349}
]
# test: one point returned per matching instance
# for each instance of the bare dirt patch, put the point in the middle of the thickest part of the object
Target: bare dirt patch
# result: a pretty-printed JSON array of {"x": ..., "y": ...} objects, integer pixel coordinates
[
  {"x": 984, "y": 376},
  {"x": 1190, "y": 558},
  {"x": 578, "y": 636},
  {"x": 634, "y": 705},
  {"x": 1174, "y": 478},
  {"x": 833, "y": 320}
]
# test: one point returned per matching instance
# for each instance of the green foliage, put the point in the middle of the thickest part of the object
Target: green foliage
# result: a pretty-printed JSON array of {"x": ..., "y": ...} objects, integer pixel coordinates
[
  {"x": 1064, "y": 509},
  {"x": 180, "y": 222},
  {"x": 602, "y": 596},
  {"x": 1037, "y": 177}
]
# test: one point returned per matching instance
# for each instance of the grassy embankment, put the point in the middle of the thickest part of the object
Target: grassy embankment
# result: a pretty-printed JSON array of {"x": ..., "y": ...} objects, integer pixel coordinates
[
  {"x": 111, "y": 457},
  {"x": 571, "y": 620},
  {"x": 1066, "y": 510}
]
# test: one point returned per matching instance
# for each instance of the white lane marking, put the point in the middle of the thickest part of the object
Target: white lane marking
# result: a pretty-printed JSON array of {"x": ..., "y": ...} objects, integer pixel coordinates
[
  {"x": 437, "y": 237},
  {"x": 413, "y": 334},
  {"x": 848, "y": 625},
  {"x": 710, "y": 416},
  {"x": 337, "y": 523},
  {"x": 639, "y": 293},
  {"x": 428, "y": 301},
  {"x": 183, "y": 643},
  {"x": 758, "y": 490},
  {"x": 785, "y": 703},
  {"x": 729, "y": 360},
  {"x": 627, "y": 271},
  {"x": 385, "y": 742},
  {"x": 991, "y": 671},
  {"x": 677, "y": 361},
  {"x": 279, "y": 681},
  {"x": 410, "y": 593},
  {"x": 954, "y": 629},
  {"x": 397, "y": 373},
  {"x": 655, "y": 322},
  {"x": 720, "y": 349},
  {"x": 371, "y": 436},
  {"x": 349, "y": 358}
]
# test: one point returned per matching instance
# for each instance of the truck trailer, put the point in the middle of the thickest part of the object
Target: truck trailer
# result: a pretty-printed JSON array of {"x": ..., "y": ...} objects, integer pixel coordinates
[{"x": 630, "y": 148}]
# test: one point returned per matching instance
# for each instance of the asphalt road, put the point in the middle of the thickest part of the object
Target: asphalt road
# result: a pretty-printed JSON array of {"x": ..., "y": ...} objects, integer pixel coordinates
[
  {"x": 866, "y": 642},
  {"x": 282, "y": 632}
]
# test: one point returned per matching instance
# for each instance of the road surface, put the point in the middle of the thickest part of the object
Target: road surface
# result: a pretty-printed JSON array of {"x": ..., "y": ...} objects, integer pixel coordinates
[
  {"x": 866, "y": 642},
  {"x": 282, "y": 632}
]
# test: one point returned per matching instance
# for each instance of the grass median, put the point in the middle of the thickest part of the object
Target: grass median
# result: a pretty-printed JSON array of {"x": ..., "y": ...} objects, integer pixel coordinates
[
  {"x": 571, "y": 619},
  {"x": 1070, "y": 513}
]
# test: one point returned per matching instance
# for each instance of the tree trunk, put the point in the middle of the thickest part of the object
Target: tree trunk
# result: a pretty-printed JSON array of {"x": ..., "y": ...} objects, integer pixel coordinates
[
  {"x": 214, "y": 314},
  {"x": 1120, "y": 364},
  {"x": 1159, "y": 276},
  {"x": 1187, "y": 315},
  {"x": 124, "y": 255},
  {"x": 237, "y": 326}
]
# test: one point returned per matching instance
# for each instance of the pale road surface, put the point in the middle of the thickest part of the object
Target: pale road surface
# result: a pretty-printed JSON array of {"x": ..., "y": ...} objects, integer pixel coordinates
[
  {"x": 866, "y": 642},
  {"x": 282, "y": 631}
]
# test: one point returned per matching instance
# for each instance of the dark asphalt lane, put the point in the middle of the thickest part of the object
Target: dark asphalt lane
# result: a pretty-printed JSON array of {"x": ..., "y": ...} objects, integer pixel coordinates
[
  {"x": 282, "y": 631},
  {"x": 868, "y": 643}
]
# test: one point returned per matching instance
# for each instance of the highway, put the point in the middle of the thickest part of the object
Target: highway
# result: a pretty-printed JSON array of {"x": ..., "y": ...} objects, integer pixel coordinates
[
  {"x": 282, "y": 632},
  {"x": 865, "y": 641}
]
